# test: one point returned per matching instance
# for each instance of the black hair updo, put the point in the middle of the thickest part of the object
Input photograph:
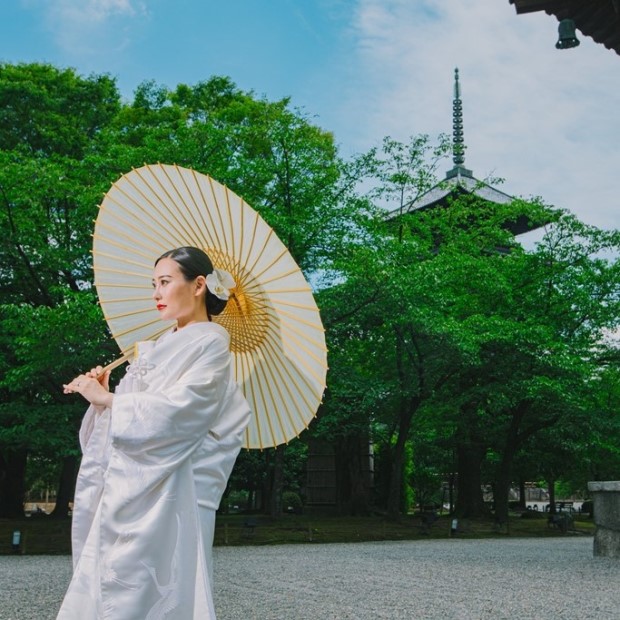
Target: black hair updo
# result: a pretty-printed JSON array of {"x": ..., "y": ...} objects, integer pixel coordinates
[{"x": 194, "y": 262}]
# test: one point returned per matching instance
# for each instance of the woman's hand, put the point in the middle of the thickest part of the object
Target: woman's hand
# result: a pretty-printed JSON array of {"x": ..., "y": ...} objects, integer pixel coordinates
[{"x": 93, "y": 386}]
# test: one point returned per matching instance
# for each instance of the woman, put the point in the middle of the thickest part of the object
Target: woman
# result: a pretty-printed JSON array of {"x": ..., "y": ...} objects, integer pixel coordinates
[{"x": 157, "y": 455}]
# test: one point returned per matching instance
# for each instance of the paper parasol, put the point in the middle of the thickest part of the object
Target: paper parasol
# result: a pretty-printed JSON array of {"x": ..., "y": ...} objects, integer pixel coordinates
[{"x": 277, "y": 338}]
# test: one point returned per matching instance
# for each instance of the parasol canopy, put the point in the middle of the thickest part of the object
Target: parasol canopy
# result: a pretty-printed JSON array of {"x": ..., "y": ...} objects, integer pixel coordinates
[{"x": 277, "y": 338}]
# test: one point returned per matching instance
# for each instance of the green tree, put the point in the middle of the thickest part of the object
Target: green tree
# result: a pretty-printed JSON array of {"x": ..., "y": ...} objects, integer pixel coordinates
[
  {"x": 456, "y": 318},
  {"x": 48, "y": 119},
  {"x": 568, "y": 299},
  {"x": 49, "y": 111},
  {"x": 378, "y": 292}
]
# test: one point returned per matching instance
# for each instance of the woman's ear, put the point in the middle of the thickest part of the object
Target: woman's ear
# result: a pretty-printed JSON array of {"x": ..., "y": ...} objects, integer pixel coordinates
[{"x": 201, "y": 286}]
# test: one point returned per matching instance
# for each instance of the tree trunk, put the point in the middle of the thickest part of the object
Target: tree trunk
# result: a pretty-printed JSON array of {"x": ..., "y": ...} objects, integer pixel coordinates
[
  {"x": 451, "y": 484},
  {"x": 353, "y": 475},
  {"x": 514, "y": 440},
  {"x": 551, "y": 485},
  {"x": 469, "y": 501},
  {"x": 12, "y": 483},
  {"x": 398, "y": 462},
  {"x": 66, "y": 487},
  {"x": 408, "y": 407},
  {"x": 275, "y": 482},
  {"x": 522, "y": 497},
  {"x": 501, "y": 491},
  {"x": 251, "y": 499}
]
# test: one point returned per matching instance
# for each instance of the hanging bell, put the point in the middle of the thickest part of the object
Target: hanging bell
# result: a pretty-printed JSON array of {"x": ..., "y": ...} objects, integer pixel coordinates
[{"x": 567, "y": 39}]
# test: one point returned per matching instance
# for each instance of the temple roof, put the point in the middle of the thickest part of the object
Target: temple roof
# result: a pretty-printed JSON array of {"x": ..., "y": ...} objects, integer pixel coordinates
[
  {"x": 457, "y": 181},
  {"x": 598, "y": 19},
  {"x": 447, "y": 189}
]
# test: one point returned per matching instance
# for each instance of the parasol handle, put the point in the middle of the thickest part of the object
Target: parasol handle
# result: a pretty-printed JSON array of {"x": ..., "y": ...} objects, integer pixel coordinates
[{"x": 117, "y": 363}]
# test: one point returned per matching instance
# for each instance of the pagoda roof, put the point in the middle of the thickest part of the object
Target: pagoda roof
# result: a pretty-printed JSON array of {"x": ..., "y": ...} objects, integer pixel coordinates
[
  {"x": 457, "y": 179},
  {"x": 460, "y": 180},
  {"x": 598, "y": 19}
]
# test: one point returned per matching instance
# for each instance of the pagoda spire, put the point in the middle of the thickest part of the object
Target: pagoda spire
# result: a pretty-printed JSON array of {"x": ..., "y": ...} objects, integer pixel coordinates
[{"x": 458, "y": 142}]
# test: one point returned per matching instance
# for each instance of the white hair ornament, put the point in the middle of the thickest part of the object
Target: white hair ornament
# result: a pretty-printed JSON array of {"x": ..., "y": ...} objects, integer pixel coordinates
[{"x": 219, "y": 282}]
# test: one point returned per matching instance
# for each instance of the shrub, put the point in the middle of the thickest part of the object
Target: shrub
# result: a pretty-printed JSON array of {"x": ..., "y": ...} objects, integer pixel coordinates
[{"x": 291, "y": 502}]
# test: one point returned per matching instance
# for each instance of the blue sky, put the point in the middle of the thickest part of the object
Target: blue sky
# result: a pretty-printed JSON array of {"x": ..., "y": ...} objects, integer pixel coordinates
[{"x": 545, "y": 120}]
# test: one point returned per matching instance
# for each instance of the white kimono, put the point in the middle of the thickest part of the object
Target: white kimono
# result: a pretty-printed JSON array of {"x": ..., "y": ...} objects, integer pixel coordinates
[{"x": 153, "y": 471}]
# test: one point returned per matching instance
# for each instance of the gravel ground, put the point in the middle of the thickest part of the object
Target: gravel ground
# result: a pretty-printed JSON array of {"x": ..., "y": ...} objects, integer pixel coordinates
[{"x": 547, "y": 579}]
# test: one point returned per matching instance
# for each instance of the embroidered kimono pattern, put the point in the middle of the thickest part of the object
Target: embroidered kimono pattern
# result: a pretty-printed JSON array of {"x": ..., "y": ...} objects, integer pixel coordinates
[{"x": 153, "y": 472}]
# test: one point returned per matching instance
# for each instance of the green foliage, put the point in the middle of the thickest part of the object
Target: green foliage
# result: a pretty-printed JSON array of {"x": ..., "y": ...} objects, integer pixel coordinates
[
  {"x": 291, "y": 502},
  {"x": 249, "y": 473},
  {"x": 41, "y": 477},
  {"x": 441, "y": 318},
  {"x": 52, "y": 112}
]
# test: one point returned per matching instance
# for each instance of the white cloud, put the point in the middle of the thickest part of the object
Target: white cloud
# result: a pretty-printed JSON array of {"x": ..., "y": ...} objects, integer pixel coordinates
[
  {"x": 90, "y": 12},
  {"x": 90, "y": 26}
]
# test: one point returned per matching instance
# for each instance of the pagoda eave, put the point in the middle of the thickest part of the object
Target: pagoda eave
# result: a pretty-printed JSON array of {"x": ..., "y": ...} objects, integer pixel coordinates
[{"x": 442, "y": 195}]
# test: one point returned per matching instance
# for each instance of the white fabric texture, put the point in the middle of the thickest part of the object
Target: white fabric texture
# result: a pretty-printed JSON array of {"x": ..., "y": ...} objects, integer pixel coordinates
[{"x": 153, "y": 472}]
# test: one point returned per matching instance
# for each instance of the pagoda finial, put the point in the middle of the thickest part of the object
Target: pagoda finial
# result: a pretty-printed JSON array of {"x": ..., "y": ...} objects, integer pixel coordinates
[{"x": 458, "y": 143}]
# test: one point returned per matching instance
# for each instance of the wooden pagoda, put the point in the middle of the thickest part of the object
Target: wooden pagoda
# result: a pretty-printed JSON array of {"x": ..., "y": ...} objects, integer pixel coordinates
[{"x": 460, "y": 180}]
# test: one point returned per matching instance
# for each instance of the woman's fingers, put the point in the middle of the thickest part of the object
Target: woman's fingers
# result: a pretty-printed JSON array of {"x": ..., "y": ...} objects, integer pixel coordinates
[{"x": 76, "y": 385}]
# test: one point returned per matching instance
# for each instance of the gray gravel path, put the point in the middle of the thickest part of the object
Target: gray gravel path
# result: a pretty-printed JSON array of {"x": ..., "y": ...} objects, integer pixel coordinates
[{"x": 545, "y": 579}]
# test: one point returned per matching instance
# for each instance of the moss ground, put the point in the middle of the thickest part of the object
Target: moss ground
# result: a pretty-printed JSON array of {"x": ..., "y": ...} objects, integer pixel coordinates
[{"x": 42, "y": 535}]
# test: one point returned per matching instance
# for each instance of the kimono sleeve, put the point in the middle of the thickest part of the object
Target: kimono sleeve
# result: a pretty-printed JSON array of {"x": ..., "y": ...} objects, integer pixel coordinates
[{"x": 165, "y": 423}]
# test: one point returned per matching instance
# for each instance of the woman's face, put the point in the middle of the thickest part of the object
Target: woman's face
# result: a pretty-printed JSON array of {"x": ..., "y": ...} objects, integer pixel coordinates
[{"x": 176, "y": 298}]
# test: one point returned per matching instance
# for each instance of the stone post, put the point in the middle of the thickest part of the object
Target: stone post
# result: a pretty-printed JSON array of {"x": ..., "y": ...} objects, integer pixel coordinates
[{"x": 606, "y": 497}]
